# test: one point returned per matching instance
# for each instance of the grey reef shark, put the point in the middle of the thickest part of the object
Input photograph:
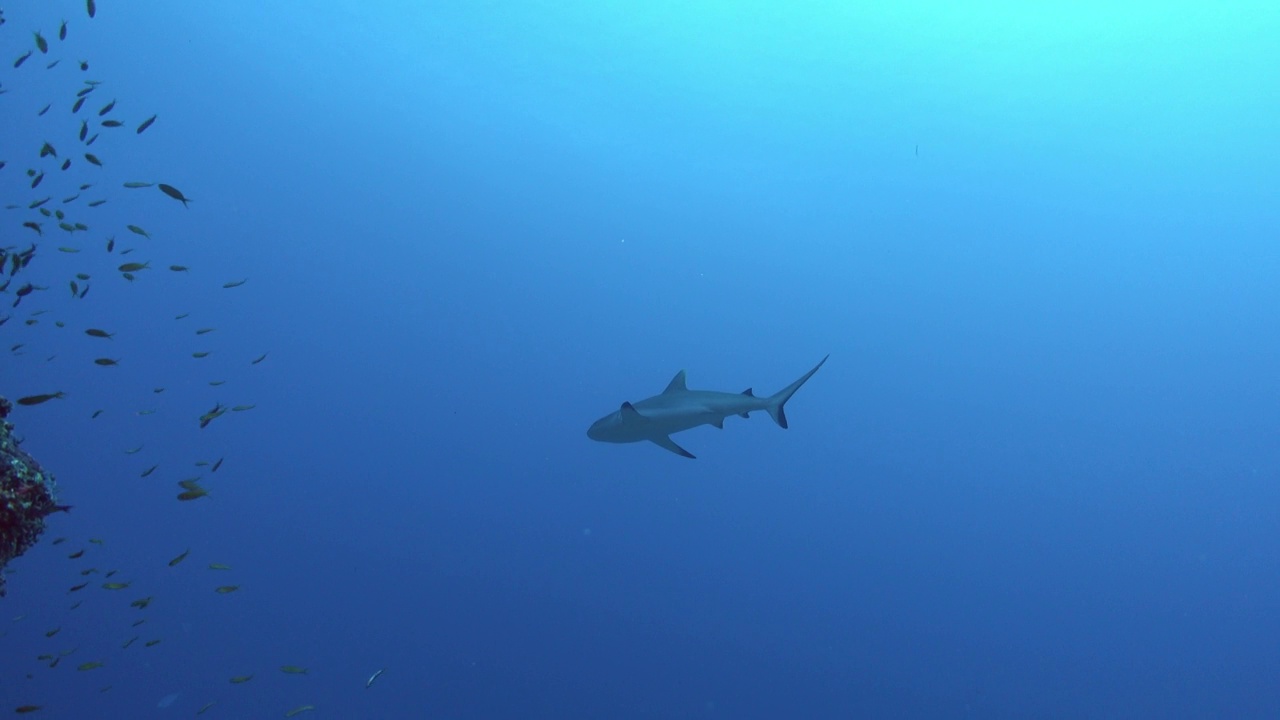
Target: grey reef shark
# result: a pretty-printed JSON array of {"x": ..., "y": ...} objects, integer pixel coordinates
[{"x": 679, "y": 408}]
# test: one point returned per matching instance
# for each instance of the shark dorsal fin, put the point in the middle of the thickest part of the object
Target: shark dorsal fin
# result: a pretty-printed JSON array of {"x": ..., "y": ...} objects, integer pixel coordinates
[{"x": 676, "y": 384}]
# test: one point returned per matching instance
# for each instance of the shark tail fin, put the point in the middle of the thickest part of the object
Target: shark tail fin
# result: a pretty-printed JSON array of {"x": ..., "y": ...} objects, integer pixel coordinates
[{"x": 780, "y": 398}]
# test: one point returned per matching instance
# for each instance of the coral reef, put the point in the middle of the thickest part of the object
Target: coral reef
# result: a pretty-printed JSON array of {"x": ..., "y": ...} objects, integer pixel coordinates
[{"x": 27, "y": 496}]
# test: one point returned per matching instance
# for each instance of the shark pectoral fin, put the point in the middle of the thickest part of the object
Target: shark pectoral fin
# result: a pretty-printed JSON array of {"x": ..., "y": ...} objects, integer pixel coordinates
[
  {"x": 629, "y": 412},
  {"x": 718, "y": 423},
  {"x": 666, "y": 442},
  {"x": 745, "y": 415}
]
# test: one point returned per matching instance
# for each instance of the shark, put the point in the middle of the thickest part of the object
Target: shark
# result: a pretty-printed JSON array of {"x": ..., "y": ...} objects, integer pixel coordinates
[{"x": 678, "y": 408}]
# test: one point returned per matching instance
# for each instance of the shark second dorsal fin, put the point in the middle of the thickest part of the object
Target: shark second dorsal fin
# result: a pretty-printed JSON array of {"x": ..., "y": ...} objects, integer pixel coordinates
[
  {"x": 748, "y": 393},
  {"x": 676, "y": 384},
  {"x": 666, "y": 442}
]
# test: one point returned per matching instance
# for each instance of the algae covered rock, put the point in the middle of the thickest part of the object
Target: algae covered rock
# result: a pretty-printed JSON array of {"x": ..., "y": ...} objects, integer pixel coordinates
[{"x": 27, "y": 495}]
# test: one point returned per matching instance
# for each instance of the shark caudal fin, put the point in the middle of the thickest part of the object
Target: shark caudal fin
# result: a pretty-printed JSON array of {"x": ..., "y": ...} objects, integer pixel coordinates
[{"x": 780, "y": 398}]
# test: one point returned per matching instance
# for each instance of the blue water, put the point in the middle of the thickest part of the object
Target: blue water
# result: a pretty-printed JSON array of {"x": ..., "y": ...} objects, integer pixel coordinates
[{"x": 1037, "y": 477}]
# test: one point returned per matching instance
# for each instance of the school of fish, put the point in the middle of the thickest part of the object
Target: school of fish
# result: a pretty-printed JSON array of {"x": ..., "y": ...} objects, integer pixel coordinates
[{"x": 65, "y": 180}]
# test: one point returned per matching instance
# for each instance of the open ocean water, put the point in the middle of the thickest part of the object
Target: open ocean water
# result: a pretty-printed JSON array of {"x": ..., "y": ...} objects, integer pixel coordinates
[{"x": 1037, "y": 477}]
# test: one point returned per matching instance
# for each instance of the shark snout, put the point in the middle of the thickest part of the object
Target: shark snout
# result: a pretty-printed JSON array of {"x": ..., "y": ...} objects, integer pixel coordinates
[{"x": 605, "y": 429}]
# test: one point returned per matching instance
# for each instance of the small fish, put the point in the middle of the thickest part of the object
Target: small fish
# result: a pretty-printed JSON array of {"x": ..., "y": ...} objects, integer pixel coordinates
[
  {"x": 293, "y": 669},
  {"x": 106, "y": 108},
  {"x": 149, "y": 470},
  {"x": 96, "y": 203},
  {"x": 115, "y": 585},
  {"x": 34, "y": 226},
  {"x": 90, "y": 665},
  {"x": 241, "y": 679},
  {"x": 216, "y": 383},
  {"x": 47, "y": 150},
  {"x": 217, "y": 412},
  {"x": 151, "y": 643},
  {"x": 206, "y": 706},
  {"x": 146, "y": 124},
  {"x": 110, "y": 573},
  {"x": 38, "y": 399},
  {"x": 106, "y": 362},
  {"x": 59, "y": 540},
  {"x": 138, "y": 231},
  {"x": 224, "y": 589},
  {"x": 242, "y": 408},
  {"x": 95, "y": 414},
  {"x": 235, "y": 283},
  {"x": 174, "y": 193},
  {"x": 111, "y": 123},
  {"x": 180, "y": 558},
  {"x": 136, "y": 623},
  {"x": 192, "y": 494},
  {"x": 76, "y": 108},
  {"x": 84, "y": 66},
  {"x": 44, "y": 109},
  {"x": 92, "y": 139},
  {"x": 129, "y": 642},
  {"x": 62, "y": 31},
  {"x": 68, "y": 250},
  {"x": 299, "y": 710},
  {"x": 369, "y": 683},
  {"x": 219, "y": 566},
  {"x": 111, "y": 243},
  {"x": 24, "y": 709},
  {"x": 134, "y": 451},
  {"x": 95, "y": 332},
  {"x": 93, "y": 159},
  {"x": 179, "y": 268},
  {"x": 21, "y": 59},
  {"x": 183, "y": 315},
  {"x": 134, "y": 267},
  {"x": 204, "y": 331},
  {"x": 216, "y": 465},
  {"x": 97, "y": 541},
  {"x": 202, "y": 354},
  {"x": 76, "y": 555},
  {"x": 92, "y": 7},
  {"x": 146, "y": 412},
  {"x": 135, "y": 184},
  {"x": 158, "y": 390},
  {"x": 51, "y": 633},
  {"x": 76, "y": 604},
  {"x": 258, "y": 359},
  {"x": 141, "y": 603}
]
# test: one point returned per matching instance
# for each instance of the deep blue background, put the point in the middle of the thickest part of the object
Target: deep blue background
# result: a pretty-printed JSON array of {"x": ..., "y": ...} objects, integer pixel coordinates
[{"x": 1037, "y": 477}]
